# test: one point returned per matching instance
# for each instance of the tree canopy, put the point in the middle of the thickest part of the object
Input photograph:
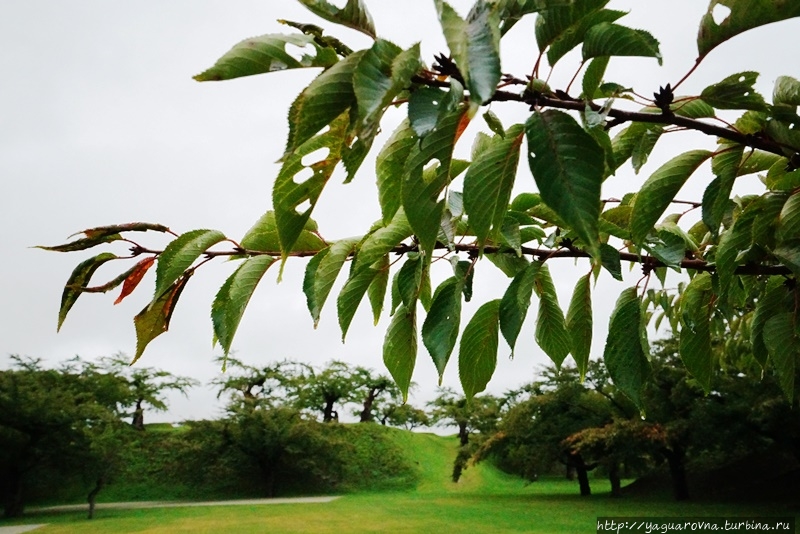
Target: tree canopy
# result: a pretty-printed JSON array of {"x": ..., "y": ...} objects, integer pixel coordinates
[{"x": 741, "y": 258}]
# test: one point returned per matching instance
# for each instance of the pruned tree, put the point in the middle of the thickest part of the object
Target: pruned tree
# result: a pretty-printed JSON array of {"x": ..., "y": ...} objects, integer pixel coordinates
[{"x": 742, "y": 258}]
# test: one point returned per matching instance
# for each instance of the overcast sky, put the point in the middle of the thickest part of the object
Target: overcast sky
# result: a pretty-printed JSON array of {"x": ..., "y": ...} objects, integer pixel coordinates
[{"x": 101, "y": 123}]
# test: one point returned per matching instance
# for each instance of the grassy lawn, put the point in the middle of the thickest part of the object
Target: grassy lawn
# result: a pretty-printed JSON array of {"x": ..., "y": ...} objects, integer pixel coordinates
[{"x": 486, "y": 500}]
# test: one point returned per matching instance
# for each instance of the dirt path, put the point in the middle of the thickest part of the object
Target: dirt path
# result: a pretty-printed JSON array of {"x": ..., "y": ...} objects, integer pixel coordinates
[{"x": 19, "y": 529}]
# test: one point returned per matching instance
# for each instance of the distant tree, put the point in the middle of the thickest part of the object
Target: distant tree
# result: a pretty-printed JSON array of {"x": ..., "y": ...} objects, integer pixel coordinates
[
  {"x": 321, "y": 391},
  {"x": 266, "y": 385},
  {"x": 404, "y": 415},
  {"x": 376, "y": 389}
]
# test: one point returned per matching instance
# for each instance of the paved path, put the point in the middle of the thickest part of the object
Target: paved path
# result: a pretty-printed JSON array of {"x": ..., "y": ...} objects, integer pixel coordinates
[{"x": 19, "y": 529}]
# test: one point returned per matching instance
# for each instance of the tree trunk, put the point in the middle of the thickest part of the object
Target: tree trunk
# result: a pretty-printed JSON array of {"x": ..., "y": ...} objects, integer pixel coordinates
[
  {"x": 582, "y": 470},
  {"x": 676, "y": 459},
  {"x": 138, "y": 416},
  {"x": 570, "y": 471},
  {"x": 13, "y": 502},
  {"x": 366, "y": 413},
  {"x": 98, "y": 485},
  {"x": 463, "y": 434},
  {"x": 614, "y": 478},
  {"x": 328, "y": 412}
]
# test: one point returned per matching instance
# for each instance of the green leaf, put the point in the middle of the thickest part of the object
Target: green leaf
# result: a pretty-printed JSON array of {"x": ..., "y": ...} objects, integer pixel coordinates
[
  {"x": 409, "y": 281},
  {"x": 737, "y": 238},
  {"x": 494, "y": 123},
  {"x": 441, "y": 326},
  {"x": 563, "y": 20},
  {"x": 776, "y": 299},
  {"x": 267, "y": 53},
  {"x": 420, "y": 194},
  {"x": 789, "y": 255},
  {"x": 354, "y": 289},
  {"x": 477, "y": 353},
  {"x": 670, "y": 249},
  {"x": 593, "y": 76},
  {"x": 263, "y": 237},
  {"x": 390, "y": 168},
  {"x": 551, "y": 330},
  {"x": 660, "y": 189},
  {"x": 781, "y": 338},
  {"x": 735, "y": 92},
  {"x": 154, "y": 318},
  {"x": 789, "y": 219},
  {"x": 321, "y": 274},
  {"x": 488, "y": 183},
  {"x": 639, "y": 138},
  {"x": 644, "y": 145},
  {"x": 716, "y": 198},
  {"x": 515, "y": 302},
  {"x": 376, "y": 292},
  {"x": 579, "y": 324},
  {"x": 425, "y": 106},
  {"x": 234, "y": 295},
  {"x": 509, "y": 263},
  {"x": 786, "y": 91},
  {"x": 624, "y": 354},
  {"x": 610, "y": 260},
  {"x": 180, "y": 254},
  {"x": 568, "y": 166},
  {"x": 695, "y": 336},
  {"x": 288, "y": 196},
  {"x": 327, "y": 97},
  {"x": 694, "y": 108},
  {"x": 744, "y": 15},
  {"x": 382, "y": 241},
  {"x": 607, "y": 39},
  {"x": 79, "y": 280},
  {"x": 576, "y": 34},
  {"x": 353, "y": 15},
  {"x": 400, "y": 348}
]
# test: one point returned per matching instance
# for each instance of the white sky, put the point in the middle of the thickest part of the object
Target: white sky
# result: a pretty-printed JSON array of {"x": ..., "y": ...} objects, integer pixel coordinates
[{"x": 101, "y": 123}]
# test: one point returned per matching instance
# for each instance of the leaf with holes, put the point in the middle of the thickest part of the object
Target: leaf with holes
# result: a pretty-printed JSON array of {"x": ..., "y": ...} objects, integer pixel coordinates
[
  {"x": 267, "y": 53},
  {"x": 154, "y": 318},
  {"x": 180, "y": 254},
  {"x": 79, "y": 280},
  {"x": 551, "y": 330},
  {"x": 660, "y": 189},
  {"x": 579, "y": 323},
  {"x": 568, "y": 166},
  {"x": 477, "y": 353},
  {"x": 234, "y": 295},
  {"x": 624, "y": 355},
  {"x": 695, "y": 335},
  {"x": 488, "y": 183},
  {"x": 735, "y": 92},
  {"x": 400, "y": 348},
  {"x": 743, "y": 15},
  {"x": 607, "y": 39},
  {"x": 353, "y": 15},
  {"x": 440, "y": 329}
]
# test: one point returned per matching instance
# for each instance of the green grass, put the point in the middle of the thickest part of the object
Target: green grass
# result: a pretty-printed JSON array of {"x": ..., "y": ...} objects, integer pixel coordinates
[{"x": 486, "y": 500}]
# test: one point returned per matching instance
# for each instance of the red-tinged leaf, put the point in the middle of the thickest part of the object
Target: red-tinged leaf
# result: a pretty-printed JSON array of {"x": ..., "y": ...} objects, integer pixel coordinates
[
  {"x": 78, "y": 281},
  {"x": 135, "y": 276},
  {"x": 154, "y": 318}
]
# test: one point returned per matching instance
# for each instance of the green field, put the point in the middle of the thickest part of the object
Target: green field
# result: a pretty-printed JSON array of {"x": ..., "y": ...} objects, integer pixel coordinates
[{"x": 486, "y": 500}]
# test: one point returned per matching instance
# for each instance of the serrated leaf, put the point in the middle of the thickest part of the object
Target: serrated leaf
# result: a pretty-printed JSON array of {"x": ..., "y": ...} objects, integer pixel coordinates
[
  {"x": 624, "y": 355},
  {"x": 353, "y": 15},
  {"x": 644, "y": 145},
  {"x": 551, "y": 330},
  {"x": 744, "y": 15},
  {"x": 660, "y": 189},
  {"x": 134, "y": 276},
  {"x": 154, "y": 318},
  {"x": 477, "y": 353},
  {"x": 776, "y": 299},
  {"x": 579, "y": 324},
  {"x": 400, "y": 348},
  {"x": 180, "y": 254},
  {"x": 489, "y": 181},
  {"x": 695, "y": 336},
  {"x": 576, "y": 34},
  {"x": 321, "y": 275},
  {"x": 780, "y": 337},
  {"x": 735, "y": 92},
  {"x": 77, "y": 281},
  {"x": 327, "y": 97},
  {"x": 786, "y": 91},
  {"x": 610, "y": 260},
  {"x": 441, "y": 326},
  {"x": 234, "y": 295},
  {"x": 593, "y": 76},
  {"x": 390, "y": 167},
  {"x": 509, "y": 263},
  {"x": 420, "y": 194},
  {"x": 607, "y": 39},
  {"x": 267, "y": 53},
  {"x": 376, "y": 292},
  {"x": 694, "y": 108},
  {"x": 731, "y": 242},
  {"x": 568, "y": 166},
  {"x": 639, "y": 137},
  {"x": 263, "y": 237},
  {"x": 716, "y": 197},
  {"x": 670, "y": 249},
  {"x": 288, "y": 195},
  {"x": 789, "y": 255},
  {"x": 789, "y": 219},
  {"x": 515, "y": 303},
  {"x": 382, "y": 241},
  {"x": 559, "y": 20},
  {"x": 354, "y": 289}
]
